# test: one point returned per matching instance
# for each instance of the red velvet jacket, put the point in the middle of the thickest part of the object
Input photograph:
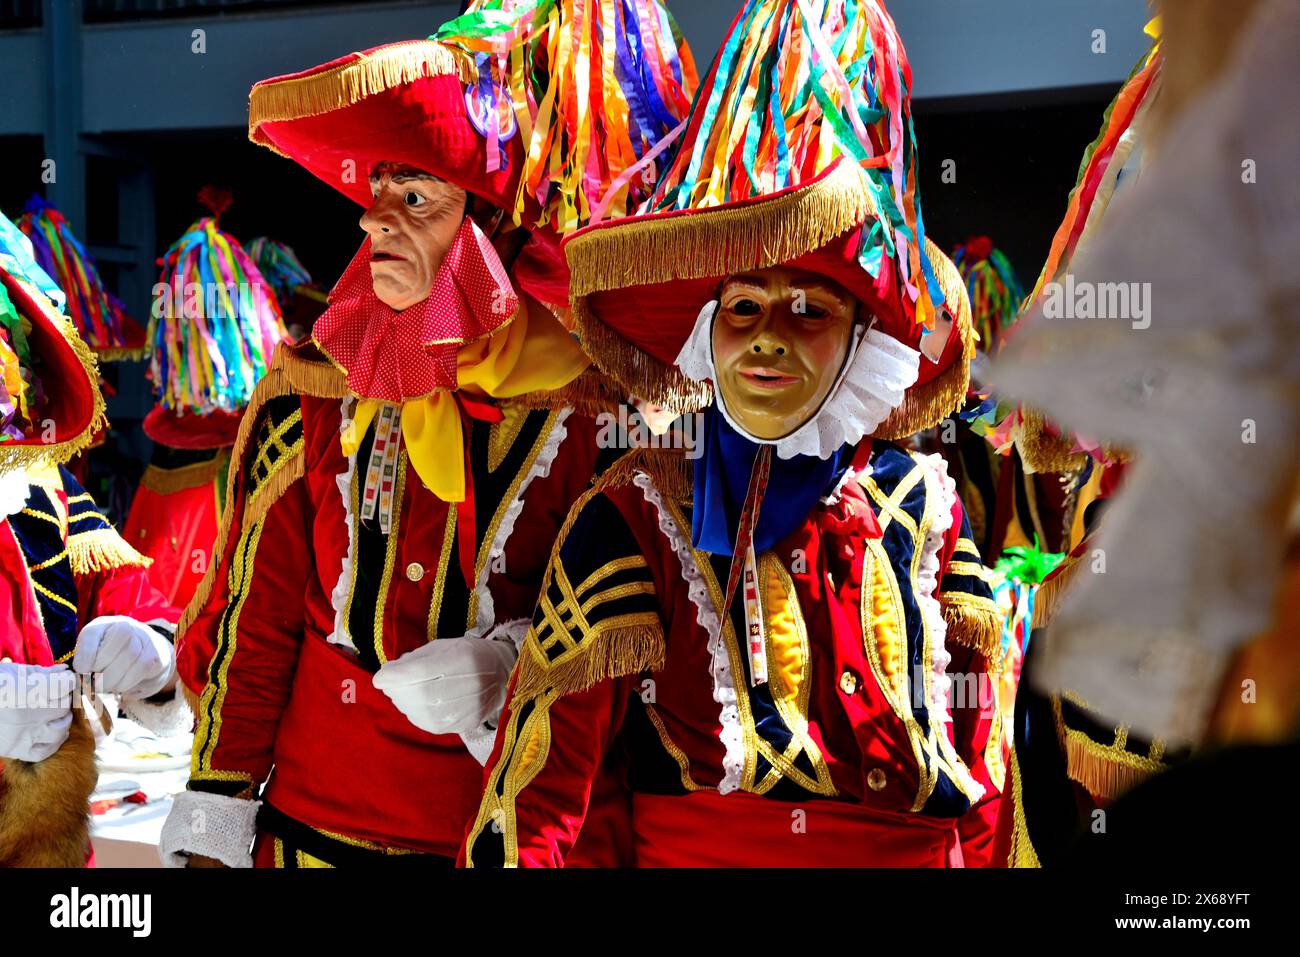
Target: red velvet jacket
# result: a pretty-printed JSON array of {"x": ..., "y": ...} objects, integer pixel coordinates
[
  {"x": 305, "y": 601},
  {"x": 855, "y": 751}
]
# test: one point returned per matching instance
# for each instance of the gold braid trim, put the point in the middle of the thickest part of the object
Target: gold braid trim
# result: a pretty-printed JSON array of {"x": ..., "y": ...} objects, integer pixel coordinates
[
  {"x": 721, "y": 240},
  {"x": 973, "y": 625},
  {"x": 162, "y": 481},
  {"x": 1107, "y": 771},
  {"x": 612, "y": 653},
  {"x": 290, "y": 374},
  {"x": 1022, "y": 853},
  {"x": 269, "y": 492},
  {"x": 1048, "y": 595},
  {"x": 101, "y": 550},
  {"x": 326, "y": 90}
]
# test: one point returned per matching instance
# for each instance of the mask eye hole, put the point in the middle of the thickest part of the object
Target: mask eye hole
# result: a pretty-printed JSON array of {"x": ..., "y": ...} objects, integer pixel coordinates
[{"x": 412, "y": 198}]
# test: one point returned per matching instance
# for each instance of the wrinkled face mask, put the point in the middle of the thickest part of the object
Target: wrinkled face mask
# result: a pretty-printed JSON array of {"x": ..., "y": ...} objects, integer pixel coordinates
[
  {"x": 791, "y": 364},
  {"x": 411, "y": 224}
]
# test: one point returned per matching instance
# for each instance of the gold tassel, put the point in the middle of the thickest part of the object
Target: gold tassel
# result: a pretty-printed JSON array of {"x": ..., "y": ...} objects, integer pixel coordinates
[
  {"x": 1042, "y": 451},
  {"x": 974, "y": 628},
  {"x": 323, "y": 91},
  {"x": 101, "y": 550},
  {"x": 720, "y": 241},
  {"x": 610, "y": 654},
  {"x": 1105, "y": 771},
  {"x": 163, "y": 481}
]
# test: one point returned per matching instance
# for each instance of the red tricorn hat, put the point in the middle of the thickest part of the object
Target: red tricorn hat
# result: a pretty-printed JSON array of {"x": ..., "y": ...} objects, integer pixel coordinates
[
  {"x": 73, "y": 408},
  {"x": 822, "y": 177},
  {"x": 402, "y": 103}
]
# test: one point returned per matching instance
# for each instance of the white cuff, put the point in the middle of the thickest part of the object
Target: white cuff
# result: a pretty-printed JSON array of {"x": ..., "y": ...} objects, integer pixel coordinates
[
  {"x": 213, "y": 825},
  {"x": 479, "y": 743},
  {"x": 164, "y": 718},
  {"x": 514, "y": 630}
]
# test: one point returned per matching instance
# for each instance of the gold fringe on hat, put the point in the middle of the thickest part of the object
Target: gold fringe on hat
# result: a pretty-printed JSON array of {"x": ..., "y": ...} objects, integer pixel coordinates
[
  {"x": 14, "y": 455},
  {"x": 720, "y": 241},
  {"x": 925, "y": 406},
  {"x": 637, "y": 372},
  {"x": 123, "y": 353},
  {"x": 296, "y": 97}
]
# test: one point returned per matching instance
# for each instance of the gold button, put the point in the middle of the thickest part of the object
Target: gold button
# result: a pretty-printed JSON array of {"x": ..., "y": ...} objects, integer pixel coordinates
[
  {"x": 415, "y": 571},
  {"x": 848, "y": 682},
  {"x": 876, "y": 779}
]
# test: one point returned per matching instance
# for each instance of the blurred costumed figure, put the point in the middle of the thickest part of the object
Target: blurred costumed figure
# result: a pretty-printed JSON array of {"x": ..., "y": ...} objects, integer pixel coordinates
[
  {"x": 768, "y": 633},
  {"x": 214, "y": 326},
  {"x": 1187, "y": 642},
  {"x": 301, "y": 300},
  {"x": 74, "y": 597},
  {"x": 96, "y": 313},
  {"x": 402, "y": 475}
]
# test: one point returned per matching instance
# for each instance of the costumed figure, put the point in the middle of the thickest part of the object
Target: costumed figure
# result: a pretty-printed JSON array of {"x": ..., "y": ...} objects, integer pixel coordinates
[
  {"x": 301, "y": 300},
  {"x": 399, "y": 479},
  {"x": 72, "y": 591},
  {"x": 214, "y": 327},
  {"x": 769, "y": 638}
]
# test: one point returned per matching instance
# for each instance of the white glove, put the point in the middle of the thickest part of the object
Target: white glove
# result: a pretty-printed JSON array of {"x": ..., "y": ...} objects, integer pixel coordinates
[
  {"x": 35, "y": 709},
  {"x": 133, "y": 659},
  {"x": 450, "y": 685}
]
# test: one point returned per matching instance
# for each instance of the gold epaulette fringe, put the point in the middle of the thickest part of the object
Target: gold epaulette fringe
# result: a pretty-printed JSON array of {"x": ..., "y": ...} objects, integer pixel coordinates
[
  {"x": 1048, "y": 595},
  {"x": 101, "y": 550},
  {"x": 162, "y": 481},
  {"x": 591, "y": 394},
  {"x": 322, "y": 91},
  {"x": 975, "y": 628},
  {"x": 637, "y": 372},
  {"x": 610, "y": 654},
  {"x": 1105, "y": 771},
  {"x": 270, "y": 491},
  {"x": 1043, "y": 452},
  {"x": 671, "y": 470},
  {"x": 289, "y": 375}
]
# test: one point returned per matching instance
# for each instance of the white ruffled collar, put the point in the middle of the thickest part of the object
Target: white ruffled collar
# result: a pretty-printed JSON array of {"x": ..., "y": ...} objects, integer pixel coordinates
[{"x": 876, "y": 374}]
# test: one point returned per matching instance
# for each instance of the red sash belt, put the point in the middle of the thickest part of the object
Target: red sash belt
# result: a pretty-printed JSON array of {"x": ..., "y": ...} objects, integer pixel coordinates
[
  {"x": 705, "y": 829},
  {"x": 347, "y": 761}
]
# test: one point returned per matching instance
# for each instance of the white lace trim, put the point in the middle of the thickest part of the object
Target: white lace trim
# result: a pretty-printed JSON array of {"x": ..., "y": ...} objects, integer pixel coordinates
[
  {"x": 164, "y": 719},
  {"x": 339, "y": 596},
  {"x": 724, "y": 688},
  {"x": 850, "y": 475},
  {"x": 212, "y": 825},
  {"x": 875, "y": 377},
  {"x": 486, "y": 615},
  {"x": 925, "y": 587}
]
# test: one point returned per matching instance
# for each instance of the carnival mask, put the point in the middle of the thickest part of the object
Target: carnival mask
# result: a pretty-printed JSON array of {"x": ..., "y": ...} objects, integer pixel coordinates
[
  {"x": 411, "y": 224},
  {"x": 780, "y": 339}
]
